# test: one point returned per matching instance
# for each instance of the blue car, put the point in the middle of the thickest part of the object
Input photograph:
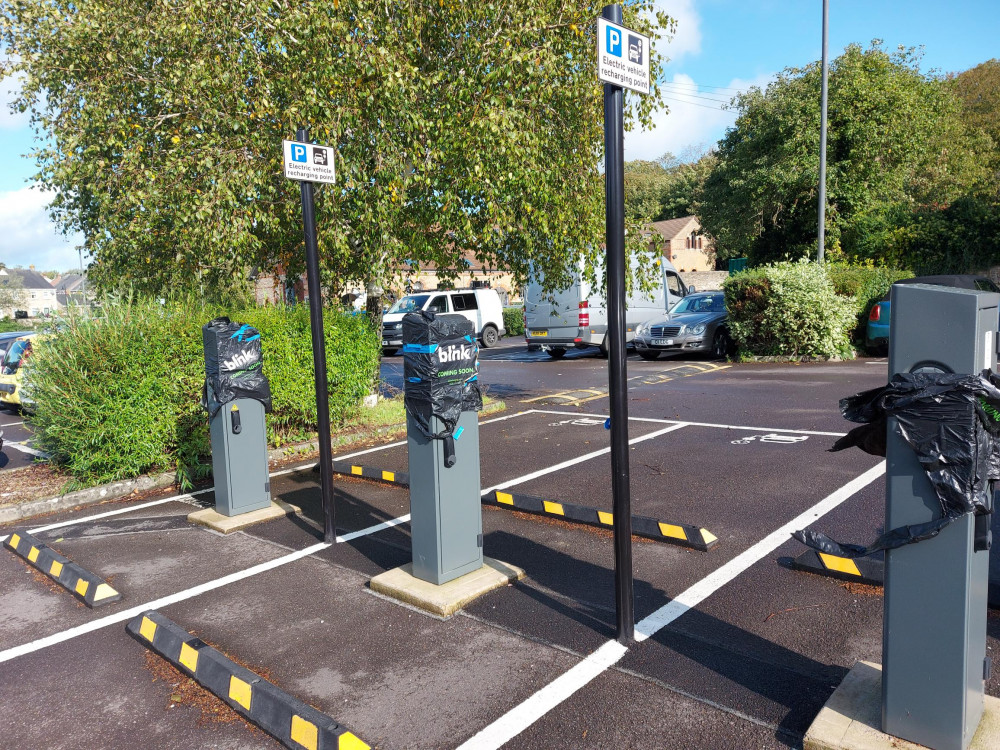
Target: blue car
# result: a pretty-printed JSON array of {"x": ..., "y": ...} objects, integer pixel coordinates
[{"x": 877, "y": 334}]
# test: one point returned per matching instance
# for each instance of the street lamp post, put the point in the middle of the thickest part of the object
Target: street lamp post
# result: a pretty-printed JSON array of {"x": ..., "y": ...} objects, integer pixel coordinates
[{"x": 822, "y": 141}]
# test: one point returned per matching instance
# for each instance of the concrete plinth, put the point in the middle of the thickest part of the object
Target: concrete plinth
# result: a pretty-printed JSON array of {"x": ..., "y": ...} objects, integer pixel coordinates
[
  {"x": 212, "y": 519},
  {"x": 852, "y": 718},
  {"x": 448, "y": 598}
]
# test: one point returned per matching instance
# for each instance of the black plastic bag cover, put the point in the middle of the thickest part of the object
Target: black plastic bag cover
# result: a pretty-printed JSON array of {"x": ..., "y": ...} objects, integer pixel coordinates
[
  {"x": 237, "y": 371},
  {"x": 952, "y": 424},
  {"x": 440, "y": 370}
]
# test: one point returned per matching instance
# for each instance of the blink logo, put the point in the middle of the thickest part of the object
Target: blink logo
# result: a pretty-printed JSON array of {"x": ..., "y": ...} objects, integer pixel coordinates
[
  {"x": 299, "y": 153},
  {"x": 240, "y": 360},
  {"x": 453, "y": 353}
]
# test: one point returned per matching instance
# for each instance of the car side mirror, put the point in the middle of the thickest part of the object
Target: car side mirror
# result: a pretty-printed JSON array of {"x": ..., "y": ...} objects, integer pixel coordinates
[{"x": 691, "y": 289}]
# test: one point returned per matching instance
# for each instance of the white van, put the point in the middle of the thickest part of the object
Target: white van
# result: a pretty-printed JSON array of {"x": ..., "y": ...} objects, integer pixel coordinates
[
  {"x": 481, "y": 306},
  {"x": 577, "y": 316}
]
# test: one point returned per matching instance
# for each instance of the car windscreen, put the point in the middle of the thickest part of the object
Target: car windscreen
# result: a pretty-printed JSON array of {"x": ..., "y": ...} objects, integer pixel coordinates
[
  {"x": 409, "y": 304},
  {"x": 12, "y": 360},
  {"x": 700, "y": 304}
]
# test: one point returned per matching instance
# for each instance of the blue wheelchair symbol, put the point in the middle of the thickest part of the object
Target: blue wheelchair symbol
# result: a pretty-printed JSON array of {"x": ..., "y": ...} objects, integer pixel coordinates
[
  {"x": 298, "y": 153},
  {"x": 614, "y": 41}
]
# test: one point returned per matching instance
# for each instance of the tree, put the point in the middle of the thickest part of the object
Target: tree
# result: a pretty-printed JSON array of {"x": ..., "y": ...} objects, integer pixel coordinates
[
  {"x": 665, "y": 188},
  {"x": 645, "y": 184},
  {"x": 896, "y": 136},
  {"x": 11, "y": 289},
  {"x": 979, "y": 91},
  {"x": 457, "y": 127}
]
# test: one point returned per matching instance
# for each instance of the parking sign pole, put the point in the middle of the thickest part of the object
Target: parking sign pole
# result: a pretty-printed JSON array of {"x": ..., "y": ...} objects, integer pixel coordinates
[
  {"x": 319, "y": 354},
  {"x": 614, "y": 167}
]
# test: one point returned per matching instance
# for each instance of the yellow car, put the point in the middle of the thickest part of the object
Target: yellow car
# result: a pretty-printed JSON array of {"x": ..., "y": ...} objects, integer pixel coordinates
[{"x": 12, "y": 370}]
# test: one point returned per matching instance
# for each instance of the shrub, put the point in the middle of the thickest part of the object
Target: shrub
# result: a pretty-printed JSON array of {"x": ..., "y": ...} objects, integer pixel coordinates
[
  {"x": 864, "y": 285},
  {"x": 118, "y": 395},
  {"x": 788, "y": 309},
  {"x": 513, "y": 320}
]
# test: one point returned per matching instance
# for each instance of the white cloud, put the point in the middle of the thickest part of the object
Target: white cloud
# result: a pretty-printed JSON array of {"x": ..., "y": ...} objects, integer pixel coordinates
[
  {"x": 695, "y": 118},
  {"x": 28, "y": 236},
  {"x": 687, "y": 39}
]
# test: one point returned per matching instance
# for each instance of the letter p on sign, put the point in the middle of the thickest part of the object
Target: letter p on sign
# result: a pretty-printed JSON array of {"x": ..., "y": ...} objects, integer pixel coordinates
[
  {"x": 614, "y": 42},
  {"x": 298, "y": 153}
]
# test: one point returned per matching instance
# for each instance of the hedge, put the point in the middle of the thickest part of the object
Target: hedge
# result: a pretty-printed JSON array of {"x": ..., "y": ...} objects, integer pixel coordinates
[
  {"x": 864, "y": 285},
  {"x": 789, "y": 309},
  {"x": 117, "y": 395},
  {"x": 513, "y": 321}
]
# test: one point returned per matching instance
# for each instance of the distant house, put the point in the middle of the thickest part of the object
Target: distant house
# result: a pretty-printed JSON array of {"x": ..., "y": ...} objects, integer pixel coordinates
[
  {"x": 472, "y": 273},
  {"x": 70, "y": 289},
  {"x": 37, "y": 295},
  {"x": 411, "y": 277},
  {"x": 680, "y": 241}
]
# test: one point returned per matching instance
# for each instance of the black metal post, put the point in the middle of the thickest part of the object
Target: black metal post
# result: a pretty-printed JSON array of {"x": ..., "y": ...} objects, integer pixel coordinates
[
  {"x": 614, "y": 167},
  {"x": 820, "y": 252},
  {"x": 319, "y": 355}
]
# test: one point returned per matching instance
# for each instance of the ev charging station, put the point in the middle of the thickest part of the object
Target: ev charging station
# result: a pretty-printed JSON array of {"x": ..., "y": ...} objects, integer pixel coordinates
[
  {"x": 236, "y": 396},
  {"x": 440, "y": 372},
  {"x": 934, "y": 625}
]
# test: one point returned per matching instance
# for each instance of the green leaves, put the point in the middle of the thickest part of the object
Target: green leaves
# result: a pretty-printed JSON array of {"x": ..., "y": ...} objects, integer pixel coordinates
[
  {"x": 459, "y": 127},
  {"x": 118, "y": 395},
  {"x": 789, "y": 309},
  {"x": 896, "y": 137}
]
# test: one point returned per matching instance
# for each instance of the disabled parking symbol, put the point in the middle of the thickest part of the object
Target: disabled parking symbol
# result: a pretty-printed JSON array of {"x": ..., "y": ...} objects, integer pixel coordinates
[{"x": 771, "y": 438}]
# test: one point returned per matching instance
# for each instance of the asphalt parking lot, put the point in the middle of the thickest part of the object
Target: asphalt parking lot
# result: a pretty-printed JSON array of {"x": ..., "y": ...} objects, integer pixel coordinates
[
  {"x": 18, "y": 450},
  {"x": 733, "y": 650}
]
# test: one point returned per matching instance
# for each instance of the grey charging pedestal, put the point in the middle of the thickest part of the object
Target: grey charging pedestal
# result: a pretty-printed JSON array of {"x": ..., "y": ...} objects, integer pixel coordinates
[
  {"x": 239, "y": 459},
  {"x": 237, "y": 430},
  {"x": 934, "y": 624},
  {"x": 446, "y": 516}
]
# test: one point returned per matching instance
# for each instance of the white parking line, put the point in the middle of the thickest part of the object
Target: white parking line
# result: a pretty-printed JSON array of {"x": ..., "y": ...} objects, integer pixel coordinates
[
  {"x": 11, "y": 424},
  {"x": 512, "y": 482},
  {"x": 403, "y": 442},
  {"x": 127, "y": 614},
  {"x": 695, "y": 424},
  {"x": 372, "y": 529},
  {"x": 184, "y": 497},
  {"x": 527, "y": 713},
  {"x": 25, "y": 449},
  {"x": 106, "y": 514},
  {"x": 579, "y": 459}
]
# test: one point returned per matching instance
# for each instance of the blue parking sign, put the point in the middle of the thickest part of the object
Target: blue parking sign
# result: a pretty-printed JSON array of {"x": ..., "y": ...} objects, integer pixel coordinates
[
  {"x": 299, "y": 153},
  {"x": 614, "y": 41},
  {"x": 622, "y": 56}
]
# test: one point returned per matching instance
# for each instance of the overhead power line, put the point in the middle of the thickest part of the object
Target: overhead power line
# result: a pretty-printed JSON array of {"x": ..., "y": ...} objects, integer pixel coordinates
[
  {"x": 706, "y": 86},
  {"x": 695, "y": 104},
  {"x": 698, "y": 96}
]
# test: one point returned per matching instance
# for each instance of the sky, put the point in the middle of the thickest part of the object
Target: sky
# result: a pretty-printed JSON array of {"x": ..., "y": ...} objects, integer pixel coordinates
[{"x": 721, "y": 47}]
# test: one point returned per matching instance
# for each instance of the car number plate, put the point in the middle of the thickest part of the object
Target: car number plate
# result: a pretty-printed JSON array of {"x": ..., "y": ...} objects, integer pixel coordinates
[
  {"x": 662, "y": 342},
  {"x": 539, "y": 333}
]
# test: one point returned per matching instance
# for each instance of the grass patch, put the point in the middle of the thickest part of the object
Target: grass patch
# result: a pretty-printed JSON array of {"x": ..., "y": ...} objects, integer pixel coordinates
[{"x": 391, "y": 412}]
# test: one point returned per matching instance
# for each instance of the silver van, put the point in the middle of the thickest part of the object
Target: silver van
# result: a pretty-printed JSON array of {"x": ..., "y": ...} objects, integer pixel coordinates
[{"x": 577, "y": 316}]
